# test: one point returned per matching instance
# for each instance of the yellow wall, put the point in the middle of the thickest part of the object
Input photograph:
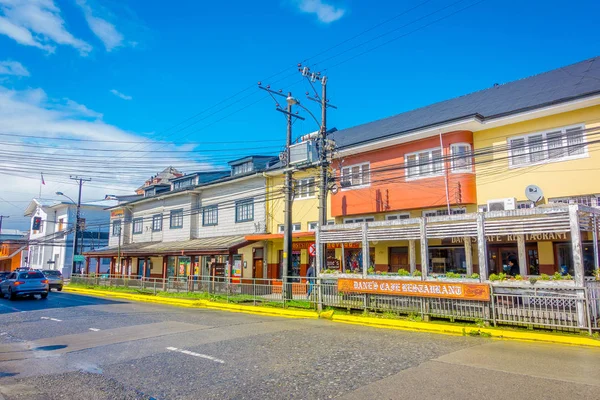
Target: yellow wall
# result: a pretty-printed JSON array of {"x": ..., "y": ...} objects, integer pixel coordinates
[
  {"x": 495, "y": 180},
  {"x": 304, "y": 211},
  {"x": 413, "y": 213}
]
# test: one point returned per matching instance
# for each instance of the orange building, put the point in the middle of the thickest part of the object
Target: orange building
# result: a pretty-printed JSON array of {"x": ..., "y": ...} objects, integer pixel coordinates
[{"x": 11, "y": 255}]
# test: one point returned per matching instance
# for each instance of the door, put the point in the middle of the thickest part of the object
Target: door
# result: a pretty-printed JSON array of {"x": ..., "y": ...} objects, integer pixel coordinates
[
  {"x": 398, "y": 259},
  {"x": 258, "y": 268}
]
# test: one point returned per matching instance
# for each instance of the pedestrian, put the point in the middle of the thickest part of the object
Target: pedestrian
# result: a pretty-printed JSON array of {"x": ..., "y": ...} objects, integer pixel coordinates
[
  {"x": 310, "y": 275},
  {"x": 513, "y": 267}
]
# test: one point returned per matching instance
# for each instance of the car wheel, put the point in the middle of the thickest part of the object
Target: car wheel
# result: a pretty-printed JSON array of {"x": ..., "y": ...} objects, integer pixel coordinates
[
  {"x": 44, "y": 295},
  {"x": 11, "y": 295},
  {"x": 59, "y": 289},
  {"x": 1, "y": 294}
]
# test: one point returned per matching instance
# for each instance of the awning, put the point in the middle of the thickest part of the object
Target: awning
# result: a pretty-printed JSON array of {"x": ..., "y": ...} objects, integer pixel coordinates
[
  {"x": 213, "y": 245},
  {"x": 272, "y": 236}
]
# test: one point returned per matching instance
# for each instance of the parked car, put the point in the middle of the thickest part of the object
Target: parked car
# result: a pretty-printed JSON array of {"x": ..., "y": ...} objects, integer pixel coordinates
[
  {"x": 24, "y": 284},
  {"x": 55, "y": 279},
  {"x": 3, "y": 275}
]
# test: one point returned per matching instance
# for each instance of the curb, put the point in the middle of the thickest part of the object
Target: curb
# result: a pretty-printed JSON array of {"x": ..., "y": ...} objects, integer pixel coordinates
[
  {"x": 413, "y": 326},
  {"x": 258, "y": 310}
]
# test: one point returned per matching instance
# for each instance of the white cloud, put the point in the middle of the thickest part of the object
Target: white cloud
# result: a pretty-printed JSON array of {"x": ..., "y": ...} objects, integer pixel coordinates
[
  {"x": 121, "y": 95},
  {"x": 101, "y": 27},
  {"x": 326, "y": 13},
  {"x": 13, "y": 68},
  {"x": 37, "y": 23}
]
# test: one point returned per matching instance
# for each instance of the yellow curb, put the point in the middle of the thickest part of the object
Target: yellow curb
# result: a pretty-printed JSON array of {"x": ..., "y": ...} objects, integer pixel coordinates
[
  {"x": 193, "y": 303},
  {"x": 414, "y": 326},
  {"x": 460, "y": 330}
]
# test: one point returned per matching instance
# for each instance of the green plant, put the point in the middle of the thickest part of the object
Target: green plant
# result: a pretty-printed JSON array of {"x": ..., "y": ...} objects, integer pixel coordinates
[
  {"x": 544, "y": 277},
  {"x": 532, "y": 280},
  {"x": 403, "y": 272},
  {"x": 479, "y": 322},
  {"x": 494, "y": 277},
  {"x": 348, "y": 271},
  {"x": 384, "y": 273},
  {"x": 557, "y": 276},
  {"x": 417, "y": 273},
  {"x": 518, "y": 277},
  {"x": 567, "y": 277},
  {"x": 452, "y": 275},
  {"x": 414, "y": 317},
  {"x": 474, "y": 276},
  {"x": 370, "y": 270}
]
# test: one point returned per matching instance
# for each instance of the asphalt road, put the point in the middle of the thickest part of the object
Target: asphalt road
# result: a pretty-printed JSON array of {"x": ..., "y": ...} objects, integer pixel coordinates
[{"x": 79, "y": 347}]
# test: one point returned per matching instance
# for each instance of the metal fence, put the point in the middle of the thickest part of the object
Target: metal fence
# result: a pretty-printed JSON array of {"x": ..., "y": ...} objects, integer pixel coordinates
[{"x": 561, "y": 308}]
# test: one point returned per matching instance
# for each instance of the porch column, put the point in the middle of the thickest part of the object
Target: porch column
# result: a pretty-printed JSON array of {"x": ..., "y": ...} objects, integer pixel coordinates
[
  {"x": 343, "y": 263},
  {"x": 318, "y": 250},
  {"x": 482, "y": 247},
  {"x": 595, "y": 238},
  {"x": 365, "y": 250},
  {"x": 412, "y": 255},
  {"x": 164, "y": 273},
  {"x": 468, "y": 255},
  {"x": 576, "y": 244},
  {"x": 144, "y": 266},
  {"x": 97, "y": 265},
  {"x": 424, "y": 249},
  {"x": 87, "y": 265},
  {"x": 522, "y": 255}
]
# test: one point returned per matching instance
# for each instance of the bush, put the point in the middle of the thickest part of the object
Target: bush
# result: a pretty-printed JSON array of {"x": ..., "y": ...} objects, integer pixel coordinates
[
  {"x": 518, "y": 277},
  {"x": 494, "y": 277},
  {"x": 370, "y": 270},
  {"x": 544, "y": 277},
  {"x": 403, "y": 272},
  {"x": 474, "y": 276},
  {"x": 557, "y": 276},
  {"x": 417, "y": 273},
  {"x": 452, "y": 275}
]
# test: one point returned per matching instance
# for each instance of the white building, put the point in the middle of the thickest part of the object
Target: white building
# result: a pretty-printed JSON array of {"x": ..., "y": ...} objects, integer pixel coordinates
[
  {"x": 51, "y": 246},
  {"x": 196, "y": 226}
]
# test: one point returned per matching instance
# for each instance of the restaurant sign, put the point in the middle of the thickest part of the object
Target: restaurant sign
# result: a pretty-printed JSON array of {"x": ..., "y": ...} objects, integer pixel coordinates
[
  {"x": 446, "y": 290},
  {"x": 117, "y": 214},
  {"x": 536, "y": 237}
]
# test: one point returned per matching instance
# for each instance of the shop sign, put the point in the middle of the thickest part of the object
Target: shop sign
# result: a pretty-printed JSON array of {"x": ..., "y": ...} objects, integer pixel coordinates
[
  {"x": 117, "y": 214},
  {"x": 301, "y": 245},
  {"x": 530, "y": 237},
  {"x": 356, "y": 245},
  {"x": 333, "y": 263},
  {"x": 446, "y": 290}
]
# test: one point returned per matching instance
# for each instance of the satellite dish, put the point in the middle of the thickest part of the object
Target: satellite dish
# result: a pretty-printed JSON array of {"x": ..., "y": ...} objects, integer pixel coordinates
[{"x": 534, "y": 193}]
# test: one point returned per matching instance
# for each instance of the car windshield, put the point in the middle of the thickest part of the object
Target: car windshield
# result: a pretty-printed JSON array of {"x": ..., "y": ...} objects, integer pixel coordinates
[
  {"x": 31, "y": 275},
  {"x": 52, "y": 273}
]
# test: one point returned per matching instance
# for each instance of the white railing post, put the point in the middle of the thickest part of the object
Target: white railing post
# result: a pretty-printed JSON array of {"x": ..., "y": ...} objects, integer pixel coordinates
[
  {"x": 482, "y": 247},
  {"x": 468, "y": 255},
  {"x": 522, "y": 255},
  {"x": 578, "y": 262},
  {"x": 412, "y": 256},
  {"x": 424, "y": 250},
  {"x": 365, "y": 250}
]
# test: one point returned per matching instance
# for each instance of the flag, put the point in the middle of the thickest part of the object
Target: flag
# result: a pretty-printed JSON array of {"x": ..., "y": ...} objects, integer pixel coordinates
[{"x": 43, "y": 182}]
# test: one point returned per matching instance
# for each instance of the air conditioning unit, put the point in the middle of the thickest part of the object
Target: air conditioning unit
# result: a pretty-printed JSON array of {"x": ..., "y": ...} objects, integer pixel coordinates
[
  {"x": 304, "y": 153},
  {"x": 502, "y": 204}
]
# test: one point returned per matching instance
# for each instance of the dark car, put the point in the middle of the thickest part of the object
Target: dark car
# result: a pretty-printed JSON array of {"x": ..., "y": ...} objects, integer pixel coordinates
[
  {"x": 3, "y": 275},
  {"x": 55, "y": 279},
  {"x": 24, "y": 284}
]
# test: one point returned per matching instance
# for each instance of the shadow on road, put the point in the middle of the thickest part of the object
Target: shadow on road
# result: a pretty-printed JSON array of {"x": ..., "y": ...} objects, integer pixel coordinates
[{"x": 54, "y": 300}]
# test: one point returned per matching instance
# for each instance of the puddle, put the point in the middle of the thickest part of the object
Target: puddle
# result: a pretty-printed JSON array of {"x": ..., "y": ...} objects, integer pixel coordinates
[{"x": 50, "y": 348}]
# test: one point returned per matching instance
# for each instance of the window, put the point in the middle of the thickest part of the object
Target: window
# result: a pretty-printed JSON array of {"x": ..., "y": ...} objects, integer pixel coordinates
[
  {"x": 244, "y": 210},
  {"x": 394, "y": 217},
  {"x": 524, "y": 204},
  {"x": 176, "y": 219},
  {"x": 296, "y": 227},
  {"x": 358, "y": 220},
  {"x": 210, "y": 215},
  {"x": 116, "y": 229},
  {"x": 444, "y": 211},
  {"x": 424, "y": 164},
  {"x": 149, "y": 192},
  {"x": 590, "y": 200},
  {"x": 461, "y": 157},
  {"x": 555, "y": 145},
  {"x": 482, "y": 208},
  {"x": 157, "y": 222},
  {"x": 138, "y": 225},
  {"x": 356, "y": 175},
  {"x": 242, "y": 168},
  {"x": 305, "y": 188},
  {"x": 61, "y": 224},
  {"x": 312, "y": 226},
  {"x": 183, "y": 183}
]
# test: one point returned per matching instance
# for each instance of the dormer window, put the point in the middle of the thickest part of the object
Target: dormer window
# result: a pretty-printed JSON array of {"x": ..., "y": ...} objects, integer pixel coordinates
[
  {"x": 150, "y": 192},
  {"x": 183, "y": 183},
  {"x": 242, "y": 168}
]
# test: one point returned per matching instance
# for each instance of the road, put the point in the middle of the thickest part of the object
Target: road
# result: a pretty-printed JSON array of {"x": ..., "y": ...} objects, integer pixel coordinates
[{"x": 80, "y": 347}]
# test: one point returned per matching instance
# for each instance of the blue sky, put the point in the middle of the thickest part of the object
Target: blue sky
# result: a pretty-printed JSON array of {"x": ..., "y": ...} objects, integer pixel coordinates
[{"x": 128, "y": 70}]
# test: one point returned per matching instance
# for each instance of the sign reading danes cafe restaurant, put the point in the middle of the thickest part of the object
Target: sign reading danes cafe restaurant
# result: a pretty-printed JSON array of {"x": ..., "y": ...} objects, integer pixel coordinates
[{"x": 446, "y": 290}]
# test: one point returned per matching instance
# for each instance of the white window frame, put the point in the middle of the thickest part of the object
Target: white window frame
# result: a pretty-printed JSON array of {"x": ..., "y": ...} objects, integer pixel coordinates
[
  {"x": 466, "y": 169},
  {"x": 411, "y": 177},
  {"x": 137, "y": 226},
  {"x": 296, "y": 227},
  {"x": 591, "y": 200},
  {"x": 524, "y": 204},
  {"x": 312, "y": 226},
  {"x": 157, "y": 220},
  {"x": 243, "y": 168},
  {"x": 545, "y": 159},
  {"x": 443, "y": 212},
  {"x": 244, "y": 210},
  {"x": 395, "y": 217},
  {"x": 365, "y": 179},
  {"x": 305, "y": 189},
  {"x": 210, "y": 215},
  {"x": 359, "y": 220}
]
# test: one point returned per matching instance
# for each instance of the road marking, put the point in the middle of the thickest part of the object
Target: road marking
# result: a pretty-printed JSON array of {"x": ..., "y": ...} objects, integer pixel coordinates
[
  {"x": 52, "y": 319},
  {"x": 94, "y": 329},
  {"x": 191, "y": 353}
]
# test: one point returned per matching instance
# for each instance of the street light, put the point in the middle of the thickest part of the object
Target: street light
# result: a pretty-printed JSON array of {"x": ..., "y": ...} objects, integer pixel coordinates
[
  {"x": 76, "y": 226},
  {"x": 292, "y": 101}
]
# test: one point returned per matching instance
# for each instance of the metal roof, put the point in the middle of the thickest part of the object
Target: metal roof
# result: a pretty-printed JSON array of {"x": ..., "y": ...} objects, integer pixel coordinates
[{"x": 560, "y": 85}]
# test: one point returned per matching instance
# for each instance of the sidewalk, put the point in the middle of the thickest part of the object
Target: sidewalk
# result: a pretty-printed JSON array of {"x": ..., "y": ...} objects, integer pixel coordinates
[{"x": 430, "y": 327}]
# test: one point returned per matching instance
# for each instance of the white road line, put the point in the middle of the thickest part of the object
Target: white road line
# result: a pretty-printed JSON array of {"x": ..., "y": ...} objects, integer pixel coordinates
[
  {"x": 191, "y": 353},
  {"x": 52, "y": 319},
  {"x": 94, "y": 329},
  {"x": 44, "y": 318}
]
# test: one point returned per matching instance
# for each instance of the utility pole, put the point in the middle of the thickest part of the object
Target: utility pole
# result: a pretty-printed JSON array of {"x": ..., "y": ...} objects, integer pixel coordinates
[
  {"x": 288, "y": 187},
  {"x": 78, "y": 215},
  {"x": 1, "y": 218}
]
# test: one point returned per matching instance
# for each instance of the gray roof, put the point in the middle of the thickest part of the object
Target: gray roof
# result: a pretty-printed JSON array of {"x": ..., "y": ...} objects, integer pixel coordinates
[{"x": 563, "y": 84}]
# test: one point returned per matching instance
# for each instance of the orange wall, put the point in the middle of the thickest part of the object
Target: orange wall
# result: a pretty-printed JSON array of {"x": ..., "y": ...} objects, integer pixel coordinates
[{"x": 389, "y": 191}]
